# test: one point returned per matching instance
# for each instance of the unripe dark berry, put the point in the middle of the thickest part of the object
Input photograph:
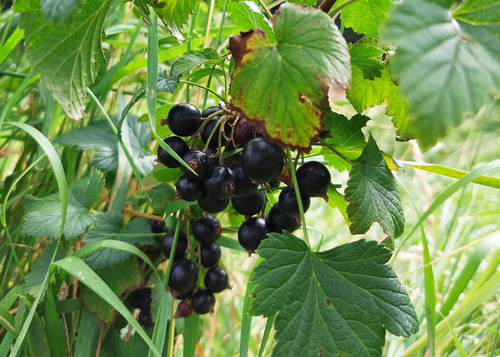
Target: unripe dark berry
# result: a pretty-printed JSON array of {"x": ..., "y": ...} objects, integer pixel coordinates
[
  {"x": 249, "y": 205},
  {"x": 212, "y": 204},
  {"x": 216, "y": 280},
  {"x": 289, "y": 204},
  {"x": 221, "y": 182},
  {"x": 210, "y": 254},
  {"x": 180, "y": 248},
  {"x": 203, "y": 301},
  {"x": 251, "y": 233},
  {"x": 189, "y": 188},
  {"x": 262, "y": 160},
  {"x": 184, "y": 119},
  {"x": 313, "y": 178},
  {"x": 184, "y": 309},
  {"x": 183, "y": 276},
  {"x": 207, "y": 229},
  {"x": 176, "y": 144},
  {"x": 277, "y": 220},
  {"x": 197, "y": 161},
  {"x": 243, "y": 132},
  {"x": 244, "y": 186}
]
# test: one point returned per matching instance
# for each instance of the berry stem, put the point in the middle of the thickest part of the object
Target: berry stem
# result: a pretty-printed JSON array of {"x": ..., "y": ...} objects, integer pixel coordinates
[
  {"x": 203, "y": 87},
  {"x": 143, "y": 215},
  {"x": 171, "y": 331},
  {"x": 266, "y": 10},
  {"x": 297, "y": 193},
  {"x": 172, "y": 251},
  {"x": 339, "y": 7},
  {"x": 338, "y": 153}
]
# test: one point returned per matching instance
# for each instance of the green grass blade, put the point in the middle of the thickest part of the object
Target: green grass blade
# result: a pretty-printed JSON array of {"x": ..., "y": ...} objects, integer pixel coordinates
[
  {"x": 11, "y": 43},
  {"x": 267, "y": 332},
  {"x": 457, "y": 343},
  {"x": 430, "y": 297},
  {"x": 162, "y": 317},
  {"x": 7, "y": 321},
  {"x": 190, "y": 335},
  {"x": 76, "y": 267},
  {"x": 53, "y": 327},
  {"x": 88, "y": 334},
  {"x": 246, "y": 318},
  {"x": 6, "y": 343}
]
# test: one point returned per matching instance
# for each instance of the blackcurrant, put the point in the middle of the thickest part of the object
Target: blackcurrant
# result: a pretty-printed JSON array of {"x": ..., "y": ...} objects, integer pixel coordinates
[
  {"x": 249, "y": 205},
  {"x": 180, "y": 248},
  {"x": 262, "y": 160},
  {"x": 207, "y": 131},
  {"x": 198, "y": 161},
  {"x": 157, "y": 226},
  {"x": 251, "y": 233},
  {"x": 207, "y": 229},
  {"x": 176, "y": 144},
  {"x": 209, "y": 111},
  {"x": 189, "y": 188},
  {"x": 184, "y": 309},
  {"x": 243, "y": 132},
  {"x": 244, "y": 186},
  {"x": 184, "y": 119},
  {"x": 210, "y": 254},
  {"x": 313, "y": 178},
  {"x": 183, "y": 276},
  {"x": 140, "y": 298},
  {"x": 277, "y": 220},
  {"x": 216, "y": 280},
  {"x": 185, "y": 295},
  {"x": 288, "y": 201},
  {"x": 203, "y": 301},
  {"x": 145, "y": 318},
  {"x": 221, "y": 183},
  {"x": 211, "y": 204},
  {"x": 212, "y": 161}
]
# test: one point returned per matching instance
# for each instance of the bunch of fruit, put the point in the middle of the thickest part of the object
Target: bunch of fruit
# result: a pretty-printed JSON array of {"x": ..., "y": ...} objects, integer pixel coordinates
[{"x": 244, "y": 182}]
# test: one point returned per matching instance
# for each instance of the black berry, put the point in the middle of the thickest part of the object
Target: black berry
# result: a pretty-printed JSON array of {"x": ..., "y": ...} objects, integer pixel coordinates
[
  {"x": 288, "y": 201},
  {"x": 207, "y": 229},
  {"x": 189, "y": 188},
  {"x": 262, "y": 160},
  {"x": 176, "y": 144},
  {"x": 210, "y": 254},
  {"x": 183, "y": 276},
  {"x": 214, "y": 160},
  {"x": 251, "y": 233},
  {"x": 249, "y": 205},
  {"x": 180, "y": 248},
  {"x": 140, "y": 298},
  {"x": 145, "y": 318},
  {"x": 313, "y": 178},
  {"x": 243, "y": 132},
  {"x": 278, "y": 220},
  {"x": 209, "y": 111},
  {"x": 244, "y": 186},
  {"x": 198, "y": 161},
  {"x": 157, "y": 226},
  {"x": 184, "y": 119},
  {"x": 221, "y": 182},
  {"x": 216, "y": 280},
  {"x": 203, "y": 301},
  {"x": 209, "y": 128},
  {"x": 211, "y": 204}
]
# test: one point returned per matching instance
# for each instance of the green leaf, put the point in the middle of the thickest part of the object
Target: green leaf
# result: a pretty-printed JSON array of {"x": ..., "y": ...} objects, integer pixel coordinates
[
  {"x": 118, "y": 277},
  {"x": 373, "y": 194},
  {"x": 111, "y": 226},
  {"x": 336, "y": 200},
  {"x": 174, "y": 14},
  {"x": 281, "y": 87},
  {"x": 142, "y": 5},
  {"x": 59, "y": 10},
  {"x": 167, "y": 83},
  {"x": 115, "y": 346},
  {"x": 35, "y": 278},
  {"x": 333, "y": 303},
  {"x": 247, "y": 15},
  {"x": 43, "y": 216},
  {"x": 447, "y": 63},
  {"x": 366, "y": 93},
  {"x": 190, "y": 61},
  {"x": 67, "y": 56},
  {"x": 166, "y": 174},
  {"x": 161, "y": 196},
  {"x": 366, "y": 54},
  {"x": 366, "y": 16}
]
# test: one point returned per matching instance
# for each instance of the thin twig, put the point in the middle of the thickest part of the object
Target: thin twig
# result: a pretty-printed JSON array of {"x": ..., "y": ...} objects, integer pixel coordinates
[
  {"x": 338, "y": 153},
  {"x": 143, "y": 215}
]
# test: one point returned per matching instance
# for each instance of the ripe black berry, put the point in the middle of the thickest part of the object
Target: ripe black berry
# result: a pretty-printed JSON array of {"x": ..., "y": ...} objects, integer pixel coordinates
[
  {"x": 184, "y": 119},
  {"x": 157, "y": 226},
  {"x": 277, "y": 220},
  {"x": 221, "y": 182},
  {"x": 289, "y": 204},
  {"x": 207, "y": 229},
  {"x": 203, "y": 301},
  {"x": 212, "y": 161},
  {"x": 180, "y": 248},
  {"x": 207, "y": 131},
  {"x": 189, "y": 188},
  {"x": 262, "y": 160},
  {"x": 145, "y": 318},
  {"x": 251, "y": 233},
  {"x": 244, "y": 186},
  {"x": 176, "y": 144},
  {"x": 183, "y": 276},
  {"x": 249, "y": 205},
  {"x": 210, "y": 254},
  {"x": 140, "y": 298},
  {"x": 212, "y": 204},
  {"x": 209, "y": 111},
  {"x": 216, "y": 280},
  {"x": 196, "y": 160},
  {"x": 313, "y": 178}
]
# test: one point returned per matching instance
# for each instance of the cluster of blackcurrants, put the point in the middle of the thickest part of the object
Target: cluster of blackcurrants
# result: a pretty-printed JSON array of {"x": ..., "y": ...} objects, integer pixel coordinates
[{"x": 213, "y": 185}]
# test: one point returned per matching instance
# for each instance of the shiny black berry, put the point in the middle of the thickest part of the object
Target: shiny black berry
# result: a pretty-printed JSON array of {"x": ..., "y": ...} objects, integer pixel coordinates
[
  {"x": 277, "y": 220},
  {"x": 216, "y": 280},
  {"x": 203, "y": 301},
  {"x": 244, "y": 186},
  {"x": 221, "y": 182},
  {"x": 313, "y": 178},
  {"x": 209, "y": 128},
  {"x": 180, "y": 248},
  {"x": 207, "y": 229},
  {"x": 183, "y": 276},
  {"x": 251, "y": 233},
  {"x": 288, "y": 201},
  {"x": 210, "y": 254},
  {"x": 189, "y": 188},
  {"x": 198, "y": 161},
  {"x": 209, "y": 111},
  {"x": 262, "y": 160},
  {"x": 157, "y": 226},
  {"x": 140, "y": 298},
  {"x": 249, "y": 205},
  {"x": 213, "y": 159},
  {"x": 211, "y": 204},
  {"x": 184, "y": 119},
  {"x": 176, "y": 144}
]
